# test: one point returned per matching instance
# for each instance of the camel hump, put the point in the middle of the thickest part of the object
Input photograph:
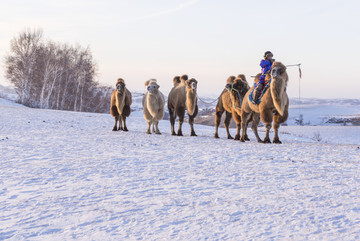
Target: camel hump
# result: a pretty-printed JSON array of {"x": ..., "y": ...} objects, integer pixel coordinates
[
  {"x": 230, "y": 79},
  {"x": 242, "y": 77},
  {"x": 184, "y": 77},
  {"x": 176, "y": 80}
]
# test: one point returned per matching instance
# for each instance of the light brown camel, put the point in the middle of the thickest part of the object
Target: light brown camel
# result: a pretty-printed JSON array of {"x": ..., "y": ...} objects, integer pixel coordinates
[
  {"x": 183, "y": 97},
  {"x": 274, "y": 105},
  {"x": 229, "y": 102},
  {"x": 120, "y": 105},
  {"x": 153, "y": 103}
]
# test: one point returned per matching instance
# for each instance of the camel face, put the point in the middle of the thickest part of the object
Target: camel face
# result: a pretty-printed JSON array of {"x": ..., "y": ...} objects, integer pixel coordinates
[
  {"x": 276, "y": 71},
  {"x": 229, "y": 86},
  {"x": 153, "y": 88},
  {"x": 120, "y": 87},
  {"x": 192, "y": 84}
]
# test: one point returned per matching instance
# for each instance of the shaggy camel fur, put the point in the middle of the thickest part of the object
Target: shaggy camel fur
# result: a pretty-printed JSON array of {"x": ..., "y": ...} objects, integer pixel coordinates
[
  {"x": 183, "y": 97},
  {"x": 229, "y": 102},
  {"x": 177, "y": 79},
  {"x": 273, "y": 107},
  {"x": 120, "y": 105},
  {"x": 153, "y": 103}
]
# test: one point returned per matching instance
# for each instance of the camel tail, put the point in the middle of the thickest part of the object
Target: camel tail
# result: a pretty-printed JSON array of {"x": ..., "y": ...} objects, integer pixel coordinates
[{"x": 277, "y": 91}]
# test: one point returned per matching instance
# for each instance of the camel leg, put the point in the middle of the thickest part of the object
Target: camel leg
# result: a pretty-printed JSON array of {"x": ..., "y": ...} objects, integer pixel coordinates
[
  {"x": 148, "y": 131},
  {"x": 124, "y": 120},
  {"x": 120, "y": 123},
  {"x": 267, "y": 117},
  {"x": 237, "y": 119},
  {"x": 278, "y": 119},
  {"x": 267, "y": 134},
  {"x": 255, "y": 124},
  {"x": 181, "y": 114},
  {"x": 172, "y": 122},
  {"x": 191, "y": 122},
  {"x": 276, "y": 132},
  {"x": 153, "y": 126},
  {"x": 115, "y": 126},
  {"x": 218, "y": 115},
  {"x": 244, "y": 124},
  {"x": 227, "y": 124},
  {"x": 249, "y": 119},
  {"x": 157, "y": 131}
]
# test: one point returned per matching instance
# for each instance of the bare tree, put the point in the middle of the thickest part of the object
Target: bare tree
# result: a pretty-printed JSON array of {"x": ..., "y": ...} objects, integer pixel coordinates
[
  {"x": 21, "y": 63},
  {"x": 52, "y": 75}
]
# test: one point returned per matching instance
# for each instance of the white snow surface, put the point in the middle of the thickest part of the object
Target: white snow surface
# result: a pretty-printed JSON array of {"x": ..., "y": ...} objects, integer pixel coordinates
[{"x": 66, "y": 175}]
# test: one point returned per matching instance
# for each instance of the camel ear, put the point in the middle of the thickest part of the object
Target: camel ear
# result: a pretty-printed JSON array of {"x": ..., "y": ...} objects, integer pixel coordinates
[{"x": 147, "y": 82}]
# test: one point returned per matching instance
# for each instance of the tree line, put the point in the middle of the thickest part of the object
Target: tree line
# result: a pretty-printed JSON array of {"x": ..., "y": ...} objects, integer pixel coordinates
[{"x": 52, "y": 75}]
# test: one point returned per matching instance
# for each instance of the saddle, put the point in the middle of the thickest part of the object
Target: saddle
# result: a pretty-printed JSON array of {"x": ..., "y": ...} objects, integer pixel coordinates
[{"x": 267, "y": 85}]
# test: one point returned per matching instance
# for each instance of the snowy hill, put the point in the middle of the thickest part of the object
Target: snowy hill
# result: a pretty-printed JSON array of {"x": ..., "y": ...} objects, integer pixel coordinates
[
  {"x": 66, "y": 175},
  {"x": 9, "y": 93}
]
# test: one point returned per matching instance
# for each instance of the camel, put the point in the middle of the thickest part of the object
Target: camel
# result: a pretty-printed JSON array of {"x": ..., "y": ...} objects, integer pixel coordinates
[
  {"x": 274, "y": 105},
  {"x": 153, "y": 103},
  {"x": 229, "y": 102},
  {"x": 183, "y": 97},
  {"x": 120, "y": 105}
]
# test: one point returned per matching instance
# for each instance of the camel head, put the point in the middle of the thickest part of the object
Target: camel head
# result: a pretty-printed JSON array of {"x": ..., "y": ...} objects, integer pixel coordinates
[
  {"x": 237, "y": 87},
  {"x": 278, "y": 70},
  {"x": 237, "y": 84},
  {"x": 191, "y": 85},
  {"x": 151, "y": 86},
  {"x": 120, "y": 85}
]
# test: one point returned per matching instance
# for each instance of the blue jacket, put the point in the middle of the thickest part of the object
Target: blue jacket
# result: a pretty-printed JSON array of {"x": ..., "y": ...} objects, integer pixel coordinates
[{"x": 265, "y": 66}]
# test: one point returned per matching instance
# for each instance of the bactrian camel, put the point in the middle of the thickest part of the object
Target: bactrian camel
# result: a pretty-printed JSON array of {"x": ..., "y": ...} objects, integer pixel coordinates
[
  {"x": 183, "y": 97},
  {"x": 273, "y": 107},
  {"x": 120, "y": 105}
]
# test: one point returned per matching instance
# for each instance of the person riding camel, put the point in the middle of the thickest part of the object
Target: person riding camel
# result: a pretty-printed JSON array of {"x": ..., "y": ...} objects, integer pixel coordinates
[{"x": 266, "y": 65}]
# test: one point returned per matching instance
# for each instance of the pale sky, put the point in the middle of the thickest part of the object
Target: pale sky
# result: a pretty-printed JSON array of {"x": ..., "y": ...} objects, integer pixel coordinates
[{"x": 206, "y": 39}]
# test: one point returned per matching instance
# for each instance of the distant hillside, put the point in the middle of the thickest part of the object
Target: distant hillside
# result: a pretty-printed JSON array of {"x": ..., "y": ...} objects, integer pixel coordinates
[
  {"x": 8, "y": 93},
  {"x": 313, "y": 111}
]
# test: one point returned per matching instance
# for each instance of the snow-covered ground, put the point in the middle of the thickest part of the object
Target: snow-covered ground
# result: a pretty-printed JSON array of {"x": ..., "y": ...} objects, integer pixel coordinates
[{"x": 66, "y": 175}]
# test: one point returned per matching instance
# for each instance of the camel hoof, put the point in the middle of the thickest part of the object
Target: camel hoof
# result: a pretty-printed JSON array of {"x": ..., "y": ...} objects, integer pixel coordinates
[
  {"x": 125, "y": 129},
  {"x": 277, "y": 141},
  {"x": 193, "y": 134},
  {"x": 247, "y": 138},
  {"x": 158, "y": 133},
  {"x": 173, "y": 133},
  {"x": 179, "y": 134},
  {"x": 266, "y": 141},
  {"x": 148, "y": 132},
  {"x": 216, "y": 136},
  {"x": 237, "y": 137},
  {"x": 242, "y": 139},
  {"x": 120, "y": 129},
  {"x": 230, "y": 137}
]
